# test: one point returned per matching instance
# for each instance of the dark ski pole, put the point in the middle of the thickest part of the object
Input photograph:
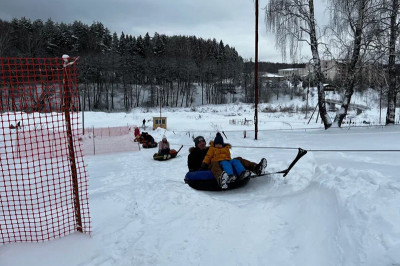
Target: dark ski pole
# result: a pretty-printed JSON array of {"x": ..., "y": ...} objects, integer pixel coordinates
[{"x": 300, "y": 154}]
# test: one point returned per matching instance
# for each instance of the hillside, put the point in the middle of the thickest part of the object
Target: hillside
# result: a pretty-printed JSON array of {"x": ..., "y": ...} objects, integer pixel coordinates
[{"x": 337, "y": 206}]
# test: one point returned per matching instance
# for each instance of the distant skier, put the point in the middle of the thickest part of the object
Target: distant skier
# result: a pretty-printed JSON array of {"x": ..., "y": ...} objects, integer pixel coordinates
[{"x": 144, "y": 123}]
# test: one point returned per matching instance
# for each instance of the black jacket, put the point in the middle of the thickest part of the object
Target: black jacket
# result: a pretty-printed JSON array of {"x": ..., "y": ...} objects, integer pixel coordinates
[
  {"x": 195, "y": 158},
  {"x": 149, "y": 138}
]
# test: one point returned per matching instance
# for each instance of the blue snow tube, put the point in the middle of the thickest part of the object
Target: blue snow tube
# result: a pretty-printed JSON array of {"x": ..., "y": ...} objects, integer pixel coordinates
[{"x": 205, "y": 180}]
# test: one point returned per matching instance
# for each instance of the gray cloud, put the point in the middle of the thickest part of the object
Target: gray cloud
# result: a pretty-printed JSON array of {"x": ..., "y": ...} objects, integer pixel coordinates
[{"x": 230, "y": 21}]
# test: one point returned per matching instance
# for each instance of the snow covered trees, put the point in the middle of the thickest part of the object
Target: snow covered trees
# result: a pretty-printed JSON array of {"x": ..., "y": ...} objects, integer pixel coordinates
[{"x": 115, "y": 70}]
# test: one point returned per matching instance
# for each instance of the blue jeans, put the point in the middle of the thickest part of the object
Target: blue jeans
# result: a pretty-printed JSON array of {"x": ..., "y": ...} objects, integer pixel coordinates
[{"x": 232, "y": 167}]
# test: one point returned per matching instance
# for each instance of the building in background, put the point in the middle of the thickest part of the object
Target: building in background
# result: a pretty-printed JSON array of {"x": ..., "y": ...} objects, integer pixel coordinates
[{"x": 290, "y": 72}]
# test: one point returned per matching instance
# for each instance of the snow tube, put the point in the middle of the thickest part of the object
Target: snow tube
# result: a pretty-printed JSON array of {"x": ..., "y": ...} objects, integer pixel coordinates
[
  {"x": 172, "y": 152},
  {"x": 149, "y": 146},
  {"x": 205, "y": 180}
]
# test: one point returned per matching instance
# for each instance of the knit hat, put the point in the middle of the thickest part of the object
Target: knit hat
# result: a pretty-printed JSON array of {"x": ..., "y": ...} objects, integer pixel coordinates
[
  {"x": 198, "y": 139},
  {"x": 218, "y": 139},
  {"x": 164, "y": 137}
]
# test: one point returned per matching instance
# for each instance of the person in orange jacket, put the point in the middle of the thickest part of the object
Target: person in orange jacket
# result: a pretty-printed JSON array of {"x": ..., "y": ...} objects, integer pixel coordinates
[{"x": 219, "y": 158}]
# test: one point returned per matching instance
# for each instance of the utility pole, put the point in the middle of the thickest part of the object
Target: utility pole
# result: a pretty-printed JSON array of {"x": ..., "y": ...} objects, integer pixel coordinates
[{"x": 256, "y": 74}]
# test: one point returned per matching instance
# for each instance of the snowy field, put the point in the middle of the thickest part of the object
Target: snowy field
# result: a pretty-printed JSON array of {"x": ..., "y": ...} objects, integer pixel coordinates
[{"x": 336, "y": 207}]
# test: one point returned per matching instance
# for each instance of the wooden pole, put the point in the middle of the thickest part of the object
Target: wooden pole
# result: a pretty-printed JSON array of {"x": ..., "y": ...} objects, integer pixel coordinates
[
  {"x": 67, "y": 106},
  {"x": 83, "y": 113}
]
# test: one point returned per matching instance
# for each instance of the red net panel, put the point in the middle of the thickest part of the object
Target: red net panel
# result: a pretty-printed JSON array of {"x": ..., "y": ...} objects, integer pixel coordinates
[{"x": 43, "y": 181}]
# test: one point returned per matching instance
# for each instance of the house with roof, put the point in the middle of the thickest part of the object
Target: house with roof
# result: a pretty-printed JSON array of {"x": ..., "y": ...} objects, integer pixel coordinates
[{"x": 269, "y": 77}]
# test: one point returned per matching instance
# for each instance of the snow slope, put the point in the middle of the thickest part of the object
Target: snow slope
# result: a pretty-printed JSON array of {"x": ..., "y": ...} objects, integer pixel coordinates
[{"x": 334, "y": 208}]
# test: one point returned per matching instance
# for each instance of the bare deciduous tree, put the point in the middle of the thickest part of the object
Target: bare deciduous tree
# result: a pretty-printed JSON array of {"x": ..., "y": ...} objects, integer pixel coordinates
[
  {"x": 293, "y": 22},
  {"x": 352, "y": 22},
  {"x": 393, "y": 34}
]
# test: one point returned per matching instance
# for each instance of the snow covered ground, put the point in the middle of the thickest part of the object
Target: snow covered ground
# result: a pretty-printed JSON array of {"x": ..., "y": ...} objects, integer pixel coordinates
[{"x": 334, "y": 208}]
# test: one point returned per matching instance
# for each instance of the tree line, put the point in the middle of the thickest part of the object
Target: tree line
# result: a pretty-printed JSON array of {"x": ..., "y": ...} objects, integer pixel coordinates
[{"x": 125, "y": 71}]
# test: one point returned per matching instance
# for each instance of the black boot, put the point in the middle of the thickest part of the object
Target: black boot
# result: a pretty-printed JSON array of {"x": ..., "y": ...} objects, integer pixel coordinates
[{"x": 260, "y": 166}]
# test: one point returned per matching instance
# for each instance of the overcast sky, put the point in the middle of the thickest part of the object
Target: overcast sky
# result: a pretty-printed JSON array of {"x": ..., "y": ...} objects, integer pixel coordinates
[{"x": 232, "y": 21}]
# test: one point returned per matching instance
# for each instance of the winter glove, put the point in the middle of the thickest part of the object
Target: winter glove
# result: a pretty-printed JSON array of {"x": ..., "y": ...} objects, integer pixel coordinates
[{"x": 204, "y": 166}]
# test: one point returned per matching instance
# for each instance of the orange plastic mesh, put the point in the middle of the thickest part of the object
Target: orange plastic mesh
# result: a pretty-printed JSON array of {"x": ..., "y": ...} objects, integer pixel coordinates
[{"x": 43, "y": 181}]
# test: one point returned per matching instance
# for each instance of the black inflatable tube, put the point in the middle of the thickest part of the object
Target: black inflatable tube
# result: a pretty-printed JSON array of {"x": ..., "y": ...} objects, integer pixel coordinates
[{"x": 205, "y": 180}]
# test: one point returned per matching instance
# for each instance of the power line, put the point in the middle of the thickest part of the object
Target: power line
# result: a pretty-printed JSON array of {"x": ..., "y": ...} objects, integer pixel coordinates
[
  {"x": 309, "y": 150},
  {"x": 318, "y": 150},
  {"x": 322, "y": 150}
]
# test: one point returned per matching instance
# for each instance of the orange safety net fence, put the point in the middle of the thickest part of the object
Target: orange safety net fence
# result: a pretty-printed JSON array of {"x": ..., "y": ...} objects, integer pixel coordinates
[{"x": 43, "y": 181}]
